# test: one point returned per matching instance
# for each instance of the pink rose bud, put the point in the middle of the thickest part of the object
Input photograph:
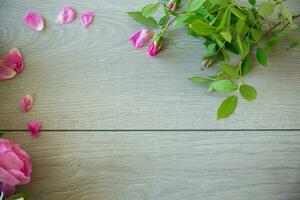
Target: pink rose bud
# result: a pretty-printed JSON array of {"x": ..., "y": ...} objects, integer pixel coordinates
[
  {"x": 172, "y": 5},
  {"x": 15, "y": 167},
  {"x": 155, "y": 45},
  {"x": 140, "y": 38}
]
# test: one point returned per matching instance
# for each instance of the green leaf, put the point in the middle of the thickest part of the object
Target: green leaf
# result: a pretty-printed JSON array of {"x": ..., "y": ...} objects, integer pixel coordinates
[
  {"x": 19, "y": 196},
  {"x": 164, "y": 20},
  {"x": 223, "y": 86},
  {"x": 184, "y": 19},
  {"x": 248, "y": 92},
  {"x": 245, "y": 66},
  {"x": 256, "y": 34},
  {"x": 266, "y": 9},
  {"x": 227, "y": 107},
  {"x": 150, "y": 9},
  {"x": 1, "y": 134},
  {"x": 230, "y": 70},
  {"x": 261, "y": 57},
  {"x": 237, "y": 12},
  {"x": 198, "y": 79},
  {"x": 139, "y": 17},
  {"x": 226, "y": 35},
  {"x": 240, "y": 25},
  {"x": 252, "y": 2},
  {"x": 226, "y": 18},
  {"x": 202, "y": 28},
  {"x": 211, "y": 48},
  {"x": 194, "y": 5}
]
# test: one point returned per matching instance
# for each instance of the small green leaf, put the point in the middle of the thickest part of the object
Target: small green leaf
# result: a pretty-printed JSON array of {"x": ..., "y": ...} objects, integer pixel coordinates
[
  {"x": 194, "y": 5},
  {"x": 248, "y": 92},
  {"x": 164, "y": 20},
  {"x": 261, "y": 57},
  {"x": 1, "y": 134},
  {"x": 139, "y": 17},
  {"x": 211, "y": 48},
  {"x": 225, "y": 21},
  {"x": 19, "y": 196},
  {"x": 256, "y": 34},
  {"x": 252, "y": 2},
  {"x": 230, "y": 70},
  {"x": 184, "y": 19},
  {"x": 223, "y": 86},
  {"x": 266, "y": 9},
  {"x": 226, "y": 35},
  {"x": 150, "y": 9},
  {"x": 245, "y": 66},
  {"x": 237, "y": 12},
  {"x": 198, "y": 79},
  {"x": 227, "y": 107},
  {"x": 202, "y": 28},
  {"x": 240, "y": 25}
]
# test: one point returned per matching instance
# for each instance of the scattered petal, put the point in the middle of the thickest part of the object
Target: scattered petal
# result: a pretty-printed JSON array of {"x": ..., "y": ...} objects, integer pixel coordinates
[
  {"x": 66, "y": 15},
  {"x": 34, "y": 127},
  {"x": 140, "y": 38},
  {"x": 87, "y": 18},
  {"x": 26, "y": 103},
  {"x": 34, "y": 21},
  {"x": 14, "y": 60},
  {"x": 6, "y": 72}
]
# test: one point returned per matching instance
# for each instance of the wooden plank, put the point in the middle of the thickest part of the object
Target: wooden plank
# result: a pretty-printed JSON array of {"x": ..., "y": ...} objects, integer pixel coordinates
[
  {"x": 93, "y": 79},
  {"x": 163, "y": 165}
]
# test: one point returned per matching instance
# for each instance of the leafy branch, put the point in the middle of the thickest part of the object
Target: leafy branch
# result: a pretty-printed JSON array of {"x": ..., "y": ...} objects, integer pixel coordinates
[{"x": 226, "y": 26}]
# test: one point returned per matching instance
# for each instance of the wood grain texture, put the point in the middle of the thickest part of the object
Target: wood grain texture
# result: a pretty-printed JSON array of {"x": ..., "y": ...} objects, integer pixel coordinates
[
  {"x": 93, "y": 79},
  {"x": 163, "y": 165}
]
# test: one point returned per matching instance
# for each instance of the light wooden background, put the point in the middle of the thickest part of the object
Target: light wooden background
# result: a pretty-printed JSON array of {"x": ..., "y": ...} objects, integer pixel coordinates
[{"x": 120, "y": 125}]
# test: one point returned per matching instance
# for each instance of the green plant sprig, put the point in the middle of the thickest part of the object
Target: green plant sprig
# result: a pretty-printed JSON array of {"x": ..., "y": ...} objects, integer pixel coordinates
[{"x": 227, "y": 26}]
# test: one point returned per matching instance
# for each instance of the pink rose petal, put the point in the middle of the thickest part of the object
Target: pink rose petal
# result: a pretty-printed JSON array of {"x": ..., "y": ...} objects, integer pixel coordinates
[
  {"x": 14, "y": 60},
  {"x": 34, "y": 21},
  {"x": 26, "y": 103},
  {"x": 6, "y": 72},
  {"x": 34, "y": 127},
  {"x": 87, "y": 18},
  {"x": 66, "y": 15},
  {"x": 140, "y": 38}
]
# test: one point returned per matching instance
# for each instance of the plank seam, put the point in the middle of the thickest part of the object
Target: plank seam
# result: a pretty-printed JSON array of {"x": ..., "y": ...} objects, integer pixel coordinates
[{"x": 154, "y": 130}]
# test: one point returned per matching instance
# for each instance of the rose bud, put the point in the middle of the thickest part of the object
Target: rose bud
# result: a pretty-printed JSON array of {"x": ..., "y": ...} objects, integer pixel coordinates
[
  {"x": 140, "y": 38},
  {"x": 155, "y": 45},
  {"x": 174, "y": 4}
]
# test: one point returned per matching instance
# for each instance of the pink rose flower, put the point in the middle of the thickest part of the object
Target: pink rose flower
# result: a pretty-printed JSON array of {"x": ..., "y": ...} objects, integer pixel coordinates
[
  {"x": 15, "y": 167},
  {"x": 140, "y": 38}
]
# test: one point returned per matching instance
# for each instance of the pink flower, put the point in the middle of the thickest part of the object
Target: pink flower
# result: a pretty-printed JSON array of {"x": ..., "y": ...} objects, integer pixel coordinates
[
  {"x": 140, "y": 38},
  {"x": 6, "y": 72},
  {"x": 87, "y": 18},
  {"x": 66, "y": 15},
  {"x": 34, "y": 21},
  {"x": 15, "y": 166},
  {"x": 26, "y": 103},
  {"x": 14, "y": 60},
  {"x": 154, "y": 48},
  {"x": 34, "y": 128}
]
